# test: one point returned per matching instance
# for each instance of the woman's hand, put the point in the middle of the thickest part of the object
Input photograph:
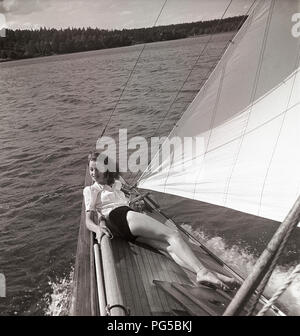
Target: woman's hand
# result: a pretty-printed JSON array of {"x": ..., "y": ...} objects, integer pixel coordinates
[
  {"x": 103, "y": 230},
  {"x": 138, "y": 206},
  {"x": 98, "y": 234}
]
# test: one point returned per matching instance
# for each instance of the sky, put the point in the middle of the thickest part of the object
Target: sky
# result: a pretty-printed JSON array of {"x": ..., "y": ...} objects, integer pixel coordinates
[{"x": 113, "y": 14}]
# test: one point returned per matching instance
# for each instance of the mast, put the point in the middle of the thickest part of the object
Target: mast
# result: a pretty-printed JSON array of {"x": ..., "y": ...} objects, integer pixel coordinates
[{"x": 261, "y": 267}]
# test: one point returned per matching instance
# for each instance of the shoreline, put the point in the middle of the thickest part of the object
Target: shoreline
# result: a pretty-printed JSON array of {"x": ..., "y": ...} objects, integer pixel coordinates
[{"x": 3, "y": 60}]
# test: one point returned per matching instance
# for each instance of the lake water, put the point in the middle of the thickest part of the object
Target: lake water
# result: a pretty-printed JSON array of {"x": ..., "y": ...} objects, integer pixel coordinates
[{"x": 52, "y": 111}]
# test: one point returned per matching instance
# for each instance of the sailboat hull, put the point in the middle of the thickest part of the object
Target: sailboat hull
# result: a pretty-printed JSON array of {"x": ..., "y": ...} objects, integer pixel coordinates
[{"x": 150, "y": 282}]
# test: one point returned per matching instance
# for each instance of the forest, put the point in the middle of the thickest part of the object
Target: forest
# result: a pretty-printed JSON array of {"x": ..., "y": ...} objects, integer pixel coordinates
[{"x": 20, "y": 44}]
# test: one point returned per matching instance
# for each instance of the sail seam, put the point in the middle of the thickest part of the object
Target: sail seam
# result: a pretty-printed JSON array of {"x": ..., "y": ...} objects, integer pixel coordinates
[
  {"x": 278, "y": 137},
  {"x": 197, "y": 59},
  {"x": 257, "y": 76},
  {"x": 249, "y": 132},
  {"x": 186, "y": 79},
  {"x": 229, "y": 47},
  {"x": 213, "y": 118}
]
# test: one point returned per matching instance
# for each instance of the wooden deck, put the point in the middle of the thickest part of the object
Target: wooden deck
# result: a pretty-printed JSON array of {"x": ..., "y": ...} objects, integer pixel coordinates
[
  {"x": 138, "y": 267},
  {"x": 151, "y": 283}
]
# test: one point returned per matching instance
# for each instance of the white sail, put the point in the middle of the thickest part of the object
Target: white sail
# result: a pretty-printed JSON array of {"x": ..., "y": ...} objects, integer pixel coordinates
[{"x": 248, "y": 115}]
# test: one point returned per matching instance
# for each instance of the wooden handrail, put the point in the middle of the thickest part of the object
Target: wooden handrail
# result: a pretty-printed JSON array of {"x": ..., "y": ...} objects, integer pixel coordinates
[
  {"x": 114, "y": 297},
  {"x": 100, "y": 281}
]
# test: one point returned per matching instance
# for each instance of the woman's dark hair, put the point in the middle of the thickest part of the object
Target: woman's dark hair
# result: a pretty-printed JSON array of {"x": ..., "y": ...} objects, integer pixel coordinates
[{"x": 109, "y": 175}]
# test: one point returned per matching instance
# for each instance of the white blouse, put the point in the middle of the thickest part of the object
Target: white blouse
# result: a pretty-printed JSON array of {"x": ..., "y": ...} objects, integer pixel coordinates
[{"x": 108, "y": 198}]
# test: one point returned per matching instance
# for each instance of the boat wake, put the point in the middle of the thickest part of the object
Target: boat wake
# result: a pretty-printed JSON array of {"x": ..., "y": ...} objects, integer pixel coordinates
[
  {"x": 59, "y": 299},
  {"x": 242, "y": 261}
]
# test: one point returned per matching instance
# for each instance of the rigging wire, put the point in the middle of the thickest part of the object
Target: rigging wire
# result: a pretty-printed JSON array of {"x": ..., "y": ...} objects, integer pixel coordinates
[
  {"x": 280, "y": 291},
  {"x": 274, "y": 262},
  {"x": 134, "y": 179},
  {"x": 267, "y": 276},
  {"x": 130, "y": 75},
  {"x": 190, "y": 72}
]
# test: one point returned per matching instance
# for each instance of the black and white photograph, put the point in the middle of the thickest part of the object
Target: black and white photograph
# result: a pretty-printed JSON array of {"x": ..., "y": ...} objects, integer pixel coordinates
[{"x": 150, "y": 161}]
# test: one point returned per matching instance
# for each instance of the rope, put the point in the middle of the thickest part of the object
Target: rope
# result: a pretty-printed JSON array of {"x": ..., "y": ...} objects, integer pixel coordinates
[
  {"x": 280, "y": 291},
  {"x": 130, "y": 75},
  {"x": 269, "y": 272}
]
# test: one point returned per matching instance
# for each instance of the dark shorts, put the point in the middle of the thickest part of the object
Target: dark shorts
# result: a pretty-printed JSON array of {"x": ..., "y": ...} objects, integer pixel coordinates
[{"x": 118, "y": 223}]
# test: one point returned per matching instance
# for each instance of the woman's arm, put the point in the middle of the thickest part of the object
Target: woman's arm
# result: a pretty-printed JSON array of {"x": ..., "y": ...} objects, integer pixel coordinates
[
  {"x": 90, "y": 223},
  {"x": 90, "y": 199}
]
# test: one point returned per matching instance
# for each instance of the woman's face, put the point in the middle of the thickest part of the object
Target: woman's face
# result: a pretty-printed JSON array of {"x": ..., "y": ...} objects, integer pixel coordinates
[{"x": 95, "y": 174}]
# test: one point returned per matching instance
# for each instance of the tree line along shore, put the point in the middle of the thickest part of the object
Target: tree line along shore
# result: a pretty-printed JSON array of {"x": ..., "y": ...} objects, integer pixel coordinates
[{"x": 21, "y": 44}]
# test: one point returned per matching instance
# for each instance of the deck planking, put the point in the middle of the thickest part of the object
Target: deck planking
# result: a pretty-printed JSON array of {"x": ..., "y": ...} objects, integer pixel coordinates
[
  {"x": 182, "y": 299},
  {"x": 151, "y": 282},
  {"x": 130, "y": 278}
]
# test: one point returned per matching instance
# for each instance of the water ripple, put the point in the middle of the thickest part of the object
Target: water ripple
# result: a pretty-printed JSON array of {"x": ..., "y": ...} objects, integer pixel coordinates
[{"x": 52, "y": 111}]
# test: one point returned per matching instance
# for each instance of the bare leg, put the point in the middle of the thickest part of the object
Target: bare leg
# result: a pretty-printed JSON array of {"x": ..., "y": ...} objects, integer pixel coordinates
[
  {"x": 164, "y": 247},
  {"x": 145, "y": 226}
]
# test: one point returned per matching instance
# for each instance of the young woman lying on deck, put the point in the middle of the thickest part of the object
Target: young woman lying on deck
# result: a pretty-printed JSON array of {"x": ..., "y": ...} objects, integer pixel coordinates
[{"x": 105, "y": 197}]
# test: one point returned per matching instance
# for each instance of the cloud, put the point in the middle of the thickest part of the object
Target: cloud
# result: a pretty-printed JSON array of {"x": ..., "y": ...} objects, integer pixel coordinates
[
  {"x": 126, "y": 12},
  {"x": 111, "y": 14},
  {"x": 19, "y": 7},
  {"x": 7, "y": 4},
  {"x": 3, "y": 23}
]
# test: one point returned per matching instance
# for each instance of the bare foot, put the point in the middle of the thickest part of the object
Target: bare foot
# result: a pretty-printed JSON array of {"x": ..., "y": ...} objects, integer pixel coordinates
[
  {"x": 207, "y": 278},
  {"x": 232, "y": 283}
]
